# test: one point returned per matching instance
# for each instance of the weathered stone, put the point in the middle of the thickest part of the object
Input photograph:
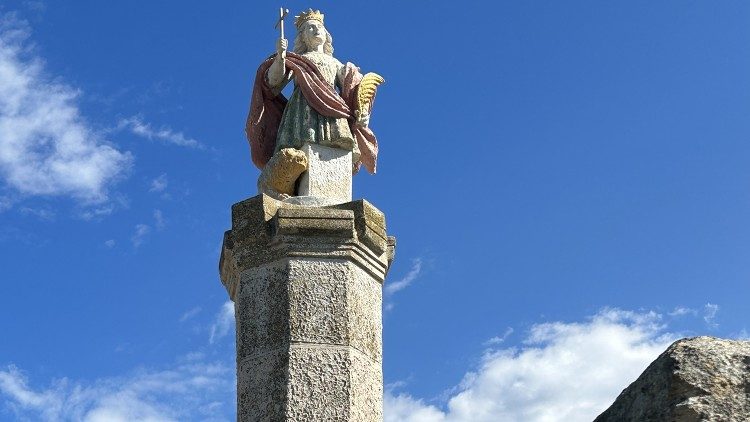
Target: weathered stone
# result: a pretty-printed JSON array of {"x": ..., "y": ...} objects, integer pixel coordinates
[
  {"x": 369, "y": 223},
  {"x": 279, "y": 177},
  {"x": 328, "y": 175},
  {"x": 695, "y": 379},
  {"x": 307, "y": 287}
]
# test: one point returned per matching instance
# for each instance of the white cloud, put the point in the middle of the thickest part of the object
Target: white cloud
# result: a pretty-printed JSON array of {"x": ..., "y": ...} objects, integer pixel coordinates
[
  {"x": 110, "y": 243},
  {"x": 416, "y": 268},
  {"x": 192, "y": 391},
  {"x": 159, "y": 184},
  {"x": 223, "y": 322},
  {"x": 46, "y": 147},
  {"x": 14, "y": 384},
  {"x": 404, "y": 408},
  {"x": 562, "y": 372},
  {"x": 141, "y": 231},
  {"x": 709, "y": 314},
  {"x": 137, "y": 126}
]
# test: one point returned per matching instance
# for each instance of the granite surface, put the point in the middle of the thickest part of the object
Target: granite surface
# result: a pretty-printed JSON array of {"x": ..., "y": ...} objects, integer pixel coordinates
[
  {"x": 695, "y": 379},
  {"x": 328, "y": 175},
  {"x": 307, "y": 286}
]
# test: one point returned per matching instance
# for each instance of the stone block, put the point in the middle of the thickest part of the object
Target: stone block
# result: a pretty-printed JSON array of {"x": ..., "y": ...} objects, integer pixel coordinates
[
  {"x": 262, "y": 386},
  {"x": 333, "y": 383},
  {"x": 318, "y": 309},
  {"x": 328, "y": 175},
  {"x": 262, "y": 324}
]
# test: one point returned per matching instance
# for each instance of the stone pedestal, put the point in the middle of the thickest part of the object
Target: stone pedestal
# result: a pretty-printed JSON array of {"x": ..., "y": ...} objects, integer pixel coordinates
[
  {"x": 307, "y": 288},
  {"x": 328, "y": 175}
]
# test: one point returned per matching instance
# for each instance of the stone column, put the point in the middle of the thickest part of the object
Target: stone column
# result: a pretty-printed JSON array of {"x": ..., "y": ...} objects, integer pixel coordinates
[{"x": 307, "y": 287}]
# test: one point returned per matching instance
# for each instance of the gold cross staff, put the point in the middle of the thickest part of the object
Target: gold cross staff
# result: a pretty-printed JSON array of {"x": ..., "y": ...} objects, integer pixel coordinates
[{"x": 280, "y": 24}]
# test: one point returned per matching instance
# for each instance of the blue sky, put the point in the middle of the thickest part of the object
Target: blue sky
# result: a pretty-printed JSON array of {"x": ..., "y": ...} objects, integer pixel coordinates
[{"x": 565, "y": 179}]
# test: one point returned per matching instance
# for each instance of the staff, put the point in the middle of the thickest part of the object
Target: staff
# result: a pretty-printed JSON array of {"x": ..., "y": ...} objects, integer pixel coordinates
[{"x": 280, "y": 24}]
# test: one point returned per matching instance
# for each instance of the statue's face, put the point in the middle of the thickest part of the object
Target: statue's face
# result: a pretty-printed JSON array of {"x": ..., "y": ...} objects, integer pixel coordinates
[{"x": 313, "y": 33}]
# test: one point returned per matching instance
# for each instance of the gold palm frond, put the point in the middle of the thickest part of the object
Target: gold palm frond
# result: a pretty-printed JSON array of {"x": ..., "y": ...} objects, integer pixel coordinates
[{"x": 366, "y": 91}]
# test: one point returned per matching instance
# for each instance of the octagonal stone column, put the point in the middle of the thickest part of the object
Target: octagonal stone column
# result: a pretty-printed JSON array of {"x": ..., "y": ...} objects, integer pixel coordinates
[{"x": 307, "y": 287}]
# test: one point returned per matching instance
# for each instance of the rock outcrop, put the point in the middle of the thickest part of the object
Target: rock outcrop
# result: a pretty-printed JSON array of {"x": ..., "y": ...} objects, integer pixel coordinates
[{"x": 695, "y": 379}]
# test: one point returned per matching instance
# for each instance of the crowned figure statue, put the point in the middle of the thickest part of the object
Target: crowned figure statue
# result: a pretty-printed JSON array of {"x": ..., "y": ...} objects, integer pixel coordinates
[{"x": 329, "y": 106}]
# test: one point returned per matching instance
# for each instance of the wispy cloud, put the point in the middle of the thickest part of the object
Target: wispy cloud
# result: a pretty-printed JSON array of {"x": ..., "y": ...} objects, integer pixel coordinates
[
  {"x": 564, "y": 371},
  {"x": 137, "y": 126},
  {"x": 159, "y": 184},
  {"x": 94, "y": 213},
  {"x": 159, "y": 220},
  {"x": 223, "y": 321},
  {"x": 190, "y": 313},
  {"x": 6, "y": 202},
  {"x": 395, "y": 286},
  {"x": 35, "y": 5},
  {"x": 110, "y": 243},
  {"x": 191, "y": 391},
  {"x": 141, "y": 231},
  {"x": 494, "y": 341},
  {"x": 46, "y": 146},
  {"x": 709, "y": 314},
  {"x": 682, "y": 310},
  {"x": 40, "y": 213},
  {"x": 742, "y": 335}
]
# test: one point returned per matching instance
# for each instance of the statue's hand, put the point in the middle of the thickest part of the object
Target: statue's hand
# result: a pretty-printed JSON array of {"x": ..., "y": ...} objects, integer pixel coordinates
[
  {"x": 275, "y": 73},
  {"x": 363, "y": 119},
  {"x": 281, "y": 45}
]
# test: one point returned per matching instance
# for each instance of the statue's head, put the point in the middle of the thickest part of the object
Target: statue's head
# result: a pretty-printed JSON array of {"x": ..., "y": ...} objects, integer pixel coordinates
[{"x": 311, "y": 33}]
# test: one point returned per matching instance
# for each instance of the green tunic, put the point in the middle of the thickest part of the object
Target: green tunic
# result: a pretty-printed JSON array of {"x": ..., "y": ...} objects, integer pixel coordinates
[{"x": 300, "y": 123}]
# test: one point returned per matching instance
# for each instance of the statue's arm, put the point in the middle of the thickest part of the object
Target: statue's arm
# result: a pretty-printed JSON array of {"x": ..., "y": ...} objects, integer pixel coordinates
[{"x": 277, "y": 75}]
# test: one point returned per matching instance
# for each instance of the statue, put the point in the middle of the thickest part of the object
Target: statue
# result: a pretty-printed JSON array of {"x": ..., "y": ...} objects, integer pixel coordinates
[{"x": 315, "y": 114}]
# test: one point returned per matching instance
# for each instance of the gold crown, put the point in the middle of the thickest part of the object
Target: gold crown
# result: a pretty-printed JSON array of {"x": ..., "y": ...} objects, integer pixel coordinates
[{"x": 306, "y": 16}]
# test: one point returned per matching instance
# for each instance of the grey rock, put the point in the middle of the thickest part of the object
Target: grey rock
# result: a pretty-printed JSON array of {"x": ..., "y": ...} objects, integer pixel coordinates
[{"x": 695, "y": 379}]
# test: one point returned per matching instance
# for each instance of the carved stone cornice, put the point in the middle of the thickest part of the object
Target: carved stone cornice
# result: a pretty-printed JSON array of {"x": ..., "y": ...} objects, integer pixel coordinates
[{"x": 265, "y": 230}]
